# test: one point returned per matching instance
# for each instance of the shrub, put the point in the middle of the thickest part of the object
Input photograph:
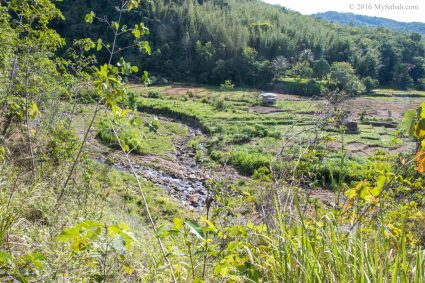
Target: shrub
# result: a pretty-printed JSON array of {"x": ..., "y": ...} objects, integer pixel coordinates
[
  {"x": 190, "y": 93},
  {"x": 262, "y": 173},
  {"x": 370, "y": 84},
  {"x": 87, "y": 95},
  {"x": 241, "y": 138},
  {"x": 129, "y": 136},
  {"x": 299, "y": 86},
  {"x": 420, "y": 84},
  {"x": 198, "y": 155},
  {"x": 219, "y": 103},
  {"x": 64, "y": 143},
  {"x": 154, "y": 94},
  {"x": 218, "y": 156},
  {"x": 195, "y": 143},
  {"x": 247, "y": 162},
  {"x": 227, "y": 85}
]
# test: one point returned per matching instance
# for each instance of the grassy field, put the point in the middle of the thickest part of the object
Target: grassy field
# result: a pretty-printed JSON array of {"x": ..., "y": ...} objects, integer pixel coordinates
[
  {"x": 123, "y": 187},
  {"x": 249, "y": 136},
  {"x": 394, "y": 92}
]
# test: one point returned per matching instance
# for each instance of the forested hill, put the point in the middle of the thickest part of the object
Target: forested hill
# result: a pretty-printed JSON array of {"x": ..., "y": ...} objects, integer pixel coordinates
[
  {"x": 361, "y": 20},
  {"x": 251, "y": 42}
]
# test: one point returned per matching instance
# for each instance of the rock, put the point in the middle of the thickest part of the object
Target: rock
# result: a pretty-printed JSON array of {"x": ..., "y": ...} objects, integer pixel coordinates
[
  {"x": 193, "y": 199},
  {"x": 175, "y": 183}
]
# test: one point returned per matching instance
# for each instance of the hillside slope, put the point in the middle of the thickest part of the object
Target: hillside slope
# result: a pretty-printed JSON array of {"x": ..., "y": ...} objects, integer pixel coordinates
[
  {"x": 362, "y": 20},
  {"x": 245, "y": 40}
]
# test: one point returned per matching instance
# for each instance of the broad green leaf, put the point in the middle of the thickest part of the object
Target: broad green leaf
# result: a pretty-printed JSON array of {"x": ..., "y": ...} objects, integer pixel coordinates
[
  {"x": 128, "y": 269},
  {"x": 363, "y": 188},
  {"x": 125, "y": 112},
  {"x": 370, "y": 198},
  {"x": 129, "y": 237},
  {"x": 379, "y": 186},
  {"x": 211, "y": 226},
  {"x": 196, "y": 229},
  {"x": 421, "y": 110},
  {"x": 35, "y": 258},
  {"x": 145, "y": 47},
  {"x": 136, "y": 122},
  {"x": 118, "y": 243},
  {"x": 5, "y": 257},
  {"x": 133, "y": 4},
  {"x": 350, "y": 193},
  {"x": 67, "y": 235},
  {"x": 420, "y": 129},
  {"x": 124, "y": 226},
  {"x": 71, "y": 233},
  {"x": 89, "y": 17},
  {"x": 136, "y": 32},
  {"x": 115, "y": 25},
  {"x": 79, "y": 245},
  {"x": 89, "y": 224},
  {"x": 145, "y": 77},
  {"x": 99, "y": 44},
  {"x": 178, "y": 223},
  {"x": 408, "y": 122}
]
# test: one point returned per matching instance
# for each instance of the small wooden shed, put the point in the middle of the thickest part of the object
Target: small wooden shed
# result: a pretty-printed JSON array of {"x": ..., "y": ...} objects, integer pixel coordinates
[
  {"x": 268, "y": 98},
  {"x": 351, "y": 126}
]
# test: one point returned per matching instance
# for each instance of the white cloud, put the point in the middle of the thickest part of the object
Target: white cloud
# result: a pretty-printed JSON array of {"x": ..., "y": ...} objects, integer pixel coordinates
[{"x": 400, "y": 10}]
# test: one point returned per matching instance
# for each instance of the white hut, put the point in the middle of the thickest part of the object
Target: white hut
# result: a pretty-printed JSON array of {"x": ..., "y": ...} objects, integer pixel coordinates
[{"x": 268, "y": 98}]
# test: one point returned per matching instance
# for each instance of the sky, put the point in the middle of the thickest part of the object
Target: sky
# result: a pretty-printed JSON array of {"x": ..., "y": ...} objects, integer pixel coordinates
[{"x": 399, "y": 10}]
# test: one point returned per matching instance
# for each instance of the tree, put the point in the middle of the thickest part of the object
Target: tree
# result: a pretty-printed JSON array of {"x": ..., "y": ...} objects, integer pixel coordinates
[
  {"x": 302, "y": 69},
  {"x": 109, "y": 79},
  {"x": 279, "y": 66},
  {"x": 343, "y": 76},
  {"x": 205, "y": 54},
  {"x": 321, "y": 68},
  {"x": 33, "y": 69},
  {"x": 402, "y": 78},
  {"x": 306, "y": 56},
  {"x": 176, "y": 26},
  {"x": 370, "y": 84}
]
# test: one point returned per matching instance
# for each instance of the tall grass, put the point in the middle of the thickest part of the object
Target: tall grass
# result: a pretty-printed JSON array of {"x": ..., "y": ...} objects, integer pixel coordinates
[{"x": 322, "y": 250}]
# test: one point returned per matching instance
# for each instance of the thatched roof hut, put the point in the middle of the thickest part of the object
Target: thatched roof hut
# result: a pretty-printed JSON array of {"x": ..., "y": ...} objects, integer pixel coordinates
[
  {"x": 350, "y": 125},
  {"x": 268, "y": 98}
]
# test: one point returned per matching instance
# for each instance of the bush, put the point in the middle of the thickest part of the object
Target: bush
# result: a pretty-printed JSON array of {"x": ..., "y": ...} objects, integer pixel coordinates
[
  {"x": 247, "y": 162},
  {"x": 129, "y": 136},
  {"x": 249, "y": 132},
  {"x": 218, "y": 156},
  {"x": 370, "y": 84},
  {"x": 420, "y": 84},
  {"x": 87, "y": 95},
  {"x": 190, "y": 93},
  {"x": 64, "y": 143},
  {"x": 299, "y": 86},
  {"x": 154, "y": 94},
  {"x": 241, "y": 138},
  {"x": 219, "y": 104},
  {"x": 227, "y": 85}
]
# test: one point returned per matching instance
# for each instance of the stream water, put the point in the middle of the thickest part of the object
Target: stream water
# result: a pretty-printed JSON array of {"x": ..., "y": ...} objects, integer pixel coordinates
[{"x": 183, "y": 178}]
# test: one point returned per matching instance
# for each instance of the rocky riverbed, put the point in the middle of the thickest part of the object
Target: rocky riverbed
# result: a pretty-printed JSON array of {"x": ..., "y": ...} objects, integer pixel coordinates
[{"x": 181, "y": 176}]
